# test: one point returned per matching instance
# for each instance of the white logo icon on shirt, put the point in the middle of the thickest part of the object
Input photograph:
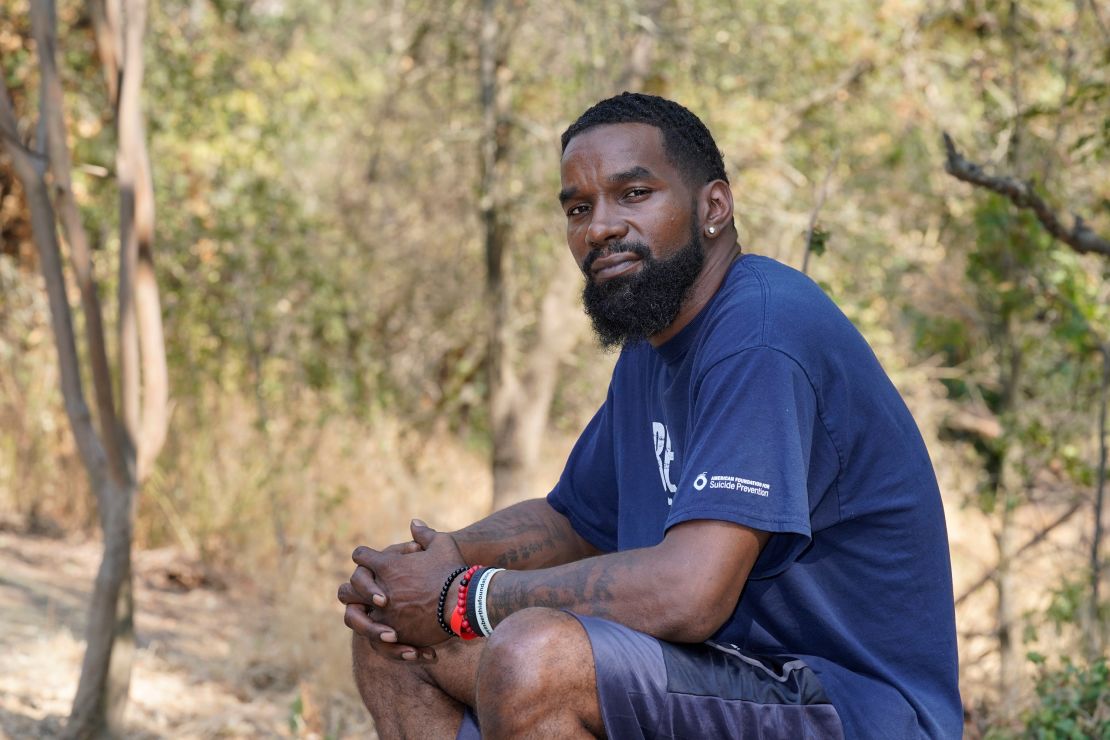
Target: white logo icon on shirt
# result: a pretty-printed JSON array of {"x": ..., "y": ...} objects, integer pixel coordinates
[
  {"x": 664, "y": 455},
  {"x": 700, "y": 481}
]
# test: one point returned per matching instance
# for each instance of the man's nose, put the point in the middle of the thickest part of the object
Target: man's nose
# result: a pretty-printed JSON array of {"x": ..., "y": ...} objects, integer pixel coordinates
[{"x": 605, "y": 226}]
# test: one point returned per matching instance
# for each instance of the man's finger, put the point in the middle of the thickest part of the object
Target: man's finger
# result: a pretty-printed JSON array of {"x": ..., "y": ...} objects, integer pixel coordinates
[
  {"x": 383, "y": 639},
  {"x": 399, "y": 652},
  {"x": 366, "y": 588},
  {"x": 359, "y": 620},
  {"x": 422, "y": 534},
  {"x": 368, "y": 557},
  {"x": 349, "y": 595},
  {"x": 404, "y": 548}
]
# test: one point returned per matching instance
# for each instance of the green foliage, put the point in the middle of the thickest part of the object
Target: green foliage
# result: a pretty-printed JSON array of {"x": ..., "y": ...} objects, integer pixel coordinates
[
  {"x": 1074, "y": 702},
  {"x": 1067, "y": 602},
  {"x": 819, "y": 241},
  {"x": 296, "y": 716}
]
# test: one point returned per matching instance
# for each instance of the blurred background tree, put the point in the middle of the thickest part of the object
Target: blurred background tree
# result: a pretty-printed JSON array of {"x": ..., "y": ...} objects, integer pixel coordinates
[{"x": 370, "y": 313}]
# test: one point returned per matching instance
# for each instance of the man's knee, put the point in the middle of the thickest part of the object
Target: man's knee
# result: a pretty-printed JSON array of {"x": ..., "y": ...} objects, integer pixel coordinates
[
  {"x": 537, "y": 661},
  {"x": 526, "y": 645}
]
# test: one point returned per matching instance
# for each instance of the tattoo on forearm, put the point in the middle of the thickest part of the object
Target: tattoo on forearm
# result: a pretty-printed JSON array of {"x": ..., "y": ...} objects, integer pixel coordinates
[
  {"x": 585, "y": 587},
  {"x": 517, "y": 538}
]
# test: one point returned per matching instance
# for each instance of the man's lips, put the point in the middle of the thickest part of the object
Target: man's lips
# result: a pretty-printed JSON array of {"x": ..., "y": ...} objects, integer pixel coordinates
[{"x": 614, "y": 265}]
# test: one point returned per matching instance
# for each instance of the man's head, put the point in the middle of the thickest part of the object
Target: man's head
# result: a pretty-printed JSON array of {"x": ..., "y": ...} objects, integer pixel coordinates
[
  {"x": 687, "y": 141},
  {"x": 645, "y": 194}
]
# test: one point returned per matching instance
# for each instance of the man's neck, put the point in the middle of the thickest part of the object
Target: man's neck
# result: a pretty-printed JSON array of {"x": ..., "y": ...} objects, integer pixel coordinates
[{"x": 718, "y": 260}]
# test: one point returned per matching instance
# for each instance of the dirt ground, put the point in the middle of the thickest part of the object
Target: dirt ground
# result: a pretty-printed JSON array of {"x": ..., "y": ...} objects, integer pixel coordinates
[{"x": 192, "y": 676}]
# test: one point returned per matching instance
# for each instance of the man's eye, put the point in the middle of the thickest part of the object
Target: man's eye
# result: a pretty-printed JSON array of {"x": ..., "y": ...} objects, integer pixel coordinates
[
  {"x": 577, "y": 210},
  {"x": 637, "y": 192}
]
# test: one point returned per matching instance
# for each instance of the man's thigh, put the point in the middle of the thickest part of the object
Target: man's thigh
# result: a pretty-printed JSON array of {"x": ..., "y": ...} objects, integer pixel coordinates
[{"x": 649, "y": 688}]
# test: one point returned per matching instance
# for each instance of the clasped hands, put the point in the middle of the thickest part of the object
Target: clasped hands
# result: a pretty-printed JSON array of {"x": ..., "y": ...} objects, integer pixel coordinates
[{"x": 393, "y": 594}]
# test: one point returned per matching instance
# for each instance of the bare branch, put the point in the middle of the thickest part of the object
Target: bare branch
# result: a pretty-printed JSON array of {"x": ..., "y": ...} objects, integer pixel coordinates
[
  {"x": 13, "y": 140},
  {"x": 144, "y": 385},
  {"x": 1102, "y": 25},
  {"x": 1079, "y": 237},
  {"x": 1033, "y": 541},
  {"x": 983, "y": 425},
  {"x": 30, "y": 169},
  {"x": 105, "y": 20},
  {"x": 791, "y": 122},
  {"x": 821, "y": 195},
  {"x": 43, "y": 27}
]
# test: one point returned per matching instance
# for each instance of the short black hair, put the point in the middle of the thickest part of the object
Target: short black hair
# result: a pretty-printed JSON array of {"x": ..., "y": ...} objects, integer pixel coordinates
[{"x": 687, "y": 141}]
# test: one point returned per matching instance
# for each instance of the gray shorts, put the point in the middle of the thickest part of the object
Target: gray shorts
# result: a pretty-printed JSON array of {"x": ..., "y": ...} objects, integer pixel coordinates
[{"x": 649, "y": 688}]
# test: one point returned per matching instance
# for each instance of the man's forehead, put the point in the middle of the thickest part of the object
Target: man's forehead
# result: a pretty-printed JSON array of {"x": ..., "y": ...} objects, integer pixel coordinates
[{"x": 616, "y": 146}]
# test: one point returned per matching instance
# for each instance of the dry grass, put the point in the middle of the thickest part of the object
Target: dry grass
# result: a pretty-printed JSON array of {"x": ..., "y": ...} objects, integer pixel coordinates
[{"x": 240, "y": 632}]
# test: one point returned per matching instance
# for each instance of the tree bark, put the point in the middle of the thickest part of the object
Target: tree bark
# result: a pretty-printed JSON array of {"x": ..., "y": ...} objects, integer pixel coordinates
[{"x": 102, "y": 693}]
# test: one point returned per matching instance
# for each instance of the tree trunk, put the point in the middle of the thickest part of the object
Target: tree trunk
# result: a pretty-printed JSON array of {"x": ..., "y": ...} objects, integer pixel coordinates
[
  {"x": 1006, "y": 485},
  {"x": 116, "y": 458},
  {"x": 520, "y": 400},
  {"x": 1008, "y": 663},
  {"x": 102, "y": 693},
  {"x": 519, "y": 439},
  {"x": 508, "y": 469},
  {"x": 105, "y": 673},
  {"x": 1096, "y": 629}
]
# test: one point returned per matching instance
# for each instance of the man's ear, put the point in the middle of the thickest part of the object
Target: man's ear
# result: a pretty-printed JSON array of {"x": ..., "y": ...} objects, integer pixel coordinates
[{"x": 715, "y": 208}]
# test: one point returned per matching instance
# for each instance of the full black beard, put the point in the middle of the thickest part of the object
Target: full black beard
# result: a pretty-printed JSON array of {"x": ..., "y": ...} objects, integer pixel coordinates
[{"x": 628, "y": 309}]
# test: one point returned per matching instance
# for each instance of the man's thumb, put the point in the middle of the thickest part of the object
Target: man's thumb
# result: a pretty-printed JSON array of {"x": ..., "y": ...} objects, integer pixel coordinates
[{"x": 421, "y": 533}]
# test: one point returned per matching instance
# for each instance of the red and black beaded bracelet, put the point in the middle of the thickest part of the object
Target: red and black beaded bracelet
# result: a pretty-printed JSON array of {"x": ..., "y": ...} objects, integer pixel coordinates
[
  {"x": 443, "y": 601},
  {"x": 460, "y": 625}
]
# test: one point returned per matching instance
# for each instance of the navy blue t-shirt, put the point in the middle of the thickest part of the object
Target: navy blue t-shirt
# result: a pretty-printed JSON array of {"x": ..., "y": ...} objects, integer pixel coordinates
[{"x": 770, "y": 410}]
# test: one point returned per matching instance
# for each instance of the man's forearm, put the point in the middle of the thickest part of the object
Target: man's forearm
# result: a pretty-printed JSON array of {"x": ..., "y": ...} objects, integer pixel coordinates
[
  {"x": 682, "y": 589},
  {"x": 524, "y": 536},
  {"x": 623, "y": 587}
]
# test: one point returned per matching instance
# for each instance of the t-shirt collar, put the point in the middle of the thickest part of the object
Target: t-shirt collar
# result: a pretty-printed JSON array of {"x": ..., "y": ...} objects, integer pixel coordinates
[{"x": 674, "y": 349}]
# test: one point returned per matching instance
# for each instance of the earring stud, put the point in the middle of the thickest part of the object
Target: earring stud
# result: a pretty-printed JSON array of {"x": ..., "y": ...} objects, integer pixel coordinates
[{"x": 712, "y": 230}]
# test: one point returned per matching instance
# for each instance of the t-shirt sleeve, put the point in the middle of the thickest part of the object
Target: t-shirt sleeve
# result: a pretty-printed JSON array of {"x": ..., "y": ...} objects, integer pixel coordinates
[
  {"x": 750, "y": 442},
  {"x": 586, "y": 493}
]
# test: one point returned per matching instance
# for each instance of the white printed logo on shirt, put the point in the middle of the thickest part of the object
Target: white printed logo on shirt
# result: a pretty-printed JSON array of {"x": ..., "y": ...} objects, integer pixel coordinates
[{"x": 664, "y": 455}]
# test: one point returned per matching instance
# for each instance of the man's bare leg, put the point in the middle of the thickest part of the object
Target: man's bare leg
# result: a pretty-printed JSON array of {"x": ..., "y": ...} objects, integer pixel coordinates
[
  {"x": 536, "y": 679},
  {"x": 416, "y": 700}
]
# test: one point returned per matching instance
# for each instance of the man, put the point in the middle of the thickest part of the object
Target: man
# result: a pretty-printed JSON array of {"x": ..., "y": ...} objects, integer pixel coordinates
[{"x": 747, "y": 540}]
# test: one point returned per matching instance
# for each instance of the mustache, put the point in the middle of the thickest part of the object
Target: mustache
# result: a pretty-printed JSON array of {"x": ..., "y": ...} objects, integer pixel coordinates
[{"x": 637, "y": 248}]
